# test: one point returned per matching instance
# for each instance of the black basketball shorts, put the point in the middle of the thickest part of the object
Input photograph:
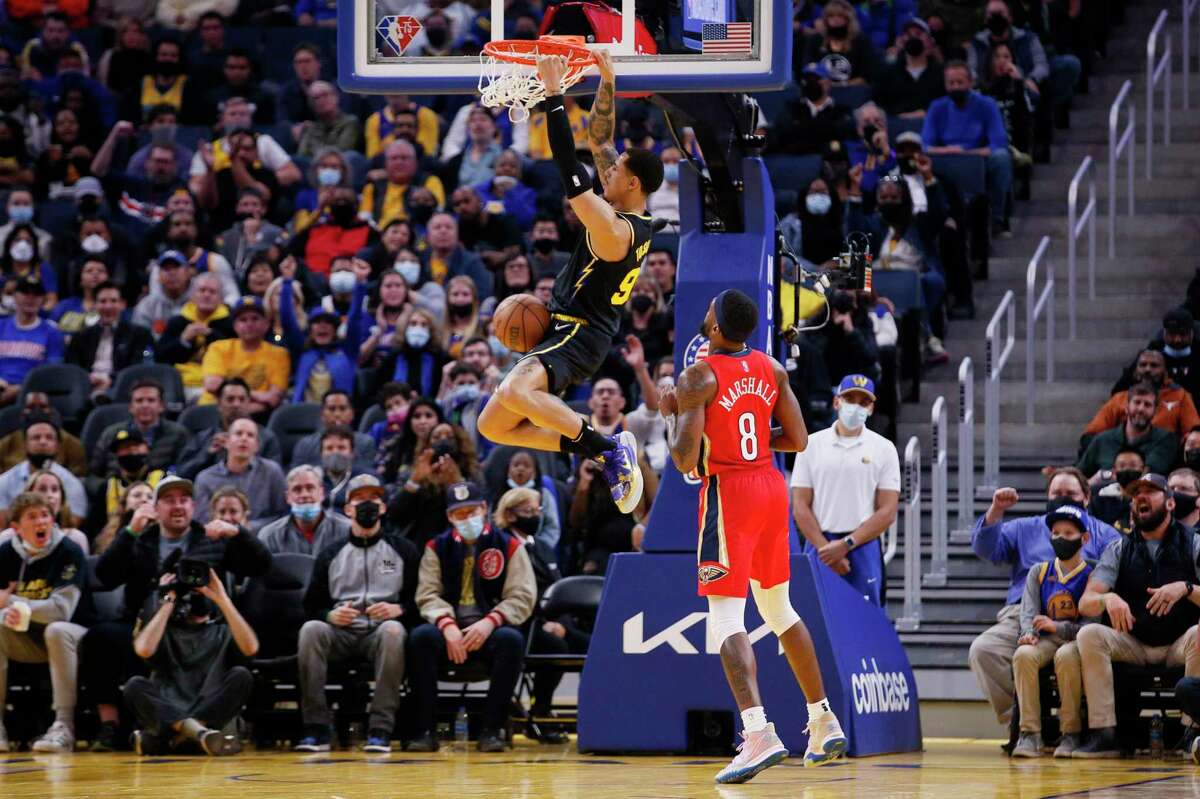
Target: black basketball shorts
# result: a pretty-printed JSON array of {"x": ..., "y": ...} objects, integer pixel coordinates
[{"x": 571, "y": 353}]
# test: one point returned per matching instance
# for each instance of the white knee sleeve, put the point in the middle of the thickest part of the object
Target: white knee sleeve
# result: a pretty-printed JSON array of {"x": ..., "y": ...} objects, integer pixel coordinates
[
  {"x": 775, "y": 606},
  {"x": 726, "y": 617}
]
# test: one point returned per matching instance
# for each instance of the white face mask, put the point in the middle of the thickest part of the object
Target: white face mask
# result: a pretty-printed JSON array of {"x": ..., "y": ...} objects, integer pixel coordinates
[
  {"x": 852, "y": 416},
  {"x": 409, "y": 270},
  {"x": 342, "y": 282},
  {"x": 94, "y": 244},
  {"x": 416, "y": 337},
  {"x": 21, "y": 250}
]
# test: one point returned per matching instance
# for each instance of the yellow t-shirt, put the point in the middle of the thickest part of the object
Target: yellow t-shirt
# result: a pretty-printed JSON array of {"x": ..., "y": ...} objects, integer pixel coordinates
[
  {"x": 263, "y": 369},
  {"x": 428, "y": 131},
  {"x": 393, "y": 200}
]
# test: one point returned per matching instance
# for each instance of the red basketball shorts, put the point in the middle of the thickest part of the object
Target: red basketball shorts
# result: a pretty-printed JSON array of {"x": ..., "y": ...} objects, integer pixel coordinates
[{"x": 743, "y": 532}]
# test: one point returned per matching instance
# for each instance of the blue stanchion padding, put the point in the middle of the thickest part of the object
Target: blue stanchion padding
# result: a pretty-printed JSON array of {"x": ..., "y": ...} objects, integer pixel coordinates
[{"x": 651, "y": 660}]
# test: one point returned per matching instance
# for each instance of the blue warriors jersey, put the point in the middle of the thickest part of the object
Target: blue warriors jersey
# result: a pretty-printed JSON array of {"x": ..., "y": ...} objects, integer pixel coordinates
[{"x": 1061, "y": 592}]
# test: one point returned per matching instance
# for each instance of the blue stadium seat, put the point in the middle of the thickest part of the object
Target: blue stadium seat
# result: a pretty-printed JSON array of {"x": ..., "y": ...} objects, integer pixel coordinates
[
  {"x": 100, "y": 418},
  {"x": 290, "y": 423},
  {"x": 967, "y": 172},
  {"x": 773, "y": 103},
  {"x": 898, "y": 125},
  {"x": 792, "y": 172},
  {"x": 374, "y": 414},
  {"x": 851, "y": 96},
  {"x": 57, "y": 217},
  {"x": 250, "y": 39},
  {"x": 190, "y": 136},
  {"x": 199, "y": 418},
  {"x": 900, "y": 286}
]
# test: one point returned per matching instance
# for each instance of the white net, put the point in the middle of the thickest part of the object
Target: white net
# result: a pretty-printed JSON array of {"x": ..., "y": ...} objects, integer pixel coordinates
[{"x": 516, "y": 85}]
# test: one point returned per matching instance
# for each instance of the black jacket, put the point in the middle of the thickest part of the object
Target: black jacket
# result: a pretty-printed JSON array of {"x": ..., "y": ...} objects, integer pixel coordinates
[
  {"x": 173, "y": 349},
  {"x": 133, "y": 561},
  {"x": 131, "y": 344}
]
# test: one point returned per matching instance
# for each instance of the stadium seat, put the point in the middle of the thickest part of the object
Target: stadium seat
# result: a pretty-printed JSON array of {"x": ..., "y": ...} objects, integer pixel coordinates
[
  {"x": 773, "y": 103},
  {"x": 372, "y": 415},
  {"x": 898, "y": 125},
  {"x": 109, "y": 604},
  {"x": 367, "y": 383},
  {"x": 190, "y": 136},
  {"x": 851, "y": 96},
  {"x": 273, "y": 604},
  {"x": 166, "y": 375},
  {"x": 901, "y": 286},
  {"x": 359, "y": 165},
  {"x": 198, "y": 418},
  {"x": 100, "y": 418},
  {"x": 967, "y": 172},
  {"x": 290, "y": 423},
  {"x": 66, "y": 385},
  {"x": 792, "y": 172},
  {"x": 10, "y": 419},
  {"x": 57, "y": 217}
]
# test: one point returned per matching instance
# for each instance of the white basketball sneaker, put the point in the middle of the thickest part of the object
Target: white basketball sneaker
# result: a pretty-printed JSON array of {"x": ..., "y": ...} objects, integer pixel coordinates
[
  {"x": 826, "y": 741},
  {"x": 757, "y": 751}
]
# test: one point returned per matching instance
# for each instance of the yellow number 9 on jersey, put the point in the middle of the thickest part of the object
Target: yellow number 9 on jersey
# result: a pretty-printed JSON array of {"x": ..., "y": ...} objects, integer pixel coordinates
[{"x": 621, "y": 295}]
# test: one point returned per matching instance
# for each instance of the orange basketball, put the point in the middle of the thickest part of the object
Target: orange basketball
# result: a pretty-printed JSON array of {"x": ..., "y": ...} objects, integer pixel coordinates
[{"x": 521, "y": 322}]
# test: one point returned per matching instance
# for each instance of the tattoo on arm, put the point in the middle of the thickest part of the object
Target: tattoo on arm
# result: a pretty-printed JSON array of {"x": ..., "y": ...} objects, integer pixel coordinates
[
  {"x": 692, "y": 394},
  {"x": 601, "y": 127}
]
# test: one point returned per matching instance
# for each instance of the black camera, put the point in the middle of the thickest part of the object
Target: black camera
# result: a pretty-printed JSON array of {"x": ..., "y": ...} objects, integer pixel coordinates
[
  {"x": 444, "y": 448},
  {"x": 190, "y": 574}
]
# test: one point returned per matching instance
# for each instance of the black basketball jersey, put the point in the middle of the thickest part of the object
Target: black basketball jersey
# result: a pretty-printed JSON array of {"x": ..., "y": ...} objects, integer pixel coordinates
[{"x": 596, "y": 290}]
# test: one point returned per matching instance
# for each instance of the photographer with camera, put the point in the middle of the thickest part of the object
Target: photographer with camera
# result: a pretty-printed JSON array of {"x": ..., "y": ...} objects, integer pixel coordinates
[
  {"x": 361, "y": 602},
  {"x": 197, "y": 685},
  {"x": 135, "y": 561}
]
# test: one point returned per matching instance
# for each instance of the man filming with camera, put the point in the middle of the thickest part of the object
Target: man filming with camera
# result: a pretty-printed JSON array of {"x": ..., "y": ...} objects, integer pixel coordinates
[
  {"x": 135, "y": 559},
  {"x": 197, "y": 685}
]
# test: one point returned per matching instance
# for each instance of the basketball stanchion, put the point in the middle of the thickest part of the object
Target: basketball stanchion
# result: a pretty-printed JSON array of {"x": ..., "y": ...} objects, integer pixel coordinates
[
  {"x": 961, "y": 534},
  {"x": 939, "y": 473},
  {"x": 910, "y": 618}
]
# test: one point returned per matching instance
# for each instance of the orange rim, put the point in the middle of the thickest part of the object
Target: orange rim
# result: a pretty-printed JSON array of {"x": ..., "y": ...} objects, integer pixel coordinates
[{"x": 524, "y": 51}]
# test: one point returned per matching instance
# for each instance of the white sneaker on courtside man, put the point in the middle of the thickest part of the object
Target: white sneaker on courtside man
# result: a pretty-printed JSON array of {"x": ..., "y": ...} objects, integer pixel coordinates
[
  {"x": 826, "y": 741},
  {"x": 757, "y": 751}
]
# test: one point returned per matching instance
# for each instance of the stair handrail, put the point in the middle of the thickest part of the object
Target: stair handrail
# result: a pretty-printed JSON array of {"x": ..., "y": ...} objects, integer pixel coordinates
[
  {"x": 1076, "y": 220},
  {"x": 997, "y": 359},
  {"x": 1188, "y": 7},
  {"x": 1035, "y": 305},
  {"x": 1158, "y": 69},
  {"x": 910, "y": 617},
  {"x": 1118, "y": 146},
  {"x": 939, "y": 474},
  {"x": 966, "y": 452}
]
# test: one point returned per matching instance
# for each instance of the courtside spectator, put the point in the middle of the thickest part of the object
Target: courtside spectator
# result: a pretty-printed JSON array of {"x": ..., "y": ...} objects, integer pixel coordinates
[
  {"x": 42, "y": 446},
  {"x": 308, "y": 527},
  {"x": 208, "y": 446},
  {"x": 165, "y": 438},
  {"x": 260, "y": 479}
]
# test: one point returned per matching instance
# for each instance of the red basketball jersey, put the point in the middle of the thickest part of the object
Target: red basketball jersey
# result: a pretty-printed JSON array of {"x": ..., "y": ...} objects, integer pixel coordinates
[{"x": 737, "y": 423}]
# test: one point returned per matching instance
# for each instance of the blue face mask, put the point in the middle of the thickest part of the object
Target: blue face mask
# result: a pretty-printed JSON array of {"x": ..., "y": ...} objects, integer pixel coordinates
[
  {"x": 329, "y": 176},
  {"x": 409, "y": 270},
  {"x": 471, "y": 528},
  {"x": 306, "y": 512},
  {"x": 852, "y": 416},
  {"x": 20, "y": 214},
  {"x": 468, "y": 392},
  {"x": 671, "y": 173},
  {"x": 1171, "y": 352},
  {"x": 818, "y": 204},
  {"x": 499, "y": 351}
]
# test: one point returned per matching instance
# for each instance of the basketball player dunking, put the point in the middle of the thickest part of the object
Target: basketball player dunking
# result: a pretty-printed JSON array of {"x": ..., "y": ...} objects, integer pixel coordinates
[
  {"x": 719, "y": 425},
  {"x": 589, "y": 292}
]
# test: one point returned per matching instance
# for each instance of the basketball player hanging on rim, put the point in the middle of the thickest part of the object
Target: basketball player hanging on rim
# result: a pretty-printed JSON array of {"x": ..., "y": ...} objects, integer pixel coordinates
[
  {"x": 719, "y": 425},
  {"x": 589, "y": 292}
]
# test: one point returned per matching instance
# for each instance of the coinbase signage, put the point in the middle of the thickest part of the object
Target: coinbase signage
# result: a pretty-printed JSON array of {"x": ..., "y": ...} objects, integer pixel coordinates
[{"x": 652, "y": 659}]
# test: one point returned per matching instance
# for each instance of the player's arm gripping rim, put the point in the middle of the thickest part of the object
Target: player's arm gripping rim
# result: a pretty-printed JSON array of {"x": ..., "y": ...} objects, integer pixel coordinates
[
  {"x": 602, "y": 121},
  {"x": 610, "y": 235},
  {"x": 696, "y": 388},
  {"x": 792, "y": 434}
]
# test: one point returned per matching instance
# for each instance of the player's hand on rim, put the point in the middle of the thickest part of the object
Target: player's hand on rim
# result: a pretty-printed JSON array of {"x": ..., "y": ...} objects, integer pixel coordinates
[
  {"x": 551, "y": 69},
  {"x": 604, "y": 64}
]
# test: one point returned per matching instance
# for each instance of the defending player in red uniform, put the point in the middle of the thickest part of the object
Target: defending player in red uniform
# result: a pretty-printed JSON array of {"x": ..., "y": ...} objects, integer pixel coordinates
[{"x": 719, "y": 422}]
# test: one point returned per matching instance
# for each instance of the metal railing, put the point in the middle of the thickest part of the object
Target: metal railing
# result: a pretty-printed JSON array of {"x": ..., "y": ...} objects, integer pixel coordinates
[
  {"x": 890, "y": 539},
  {"x": 1119, "y": 145},
  {"x": 1075, "y": 223},
  {"x": 1035, "y": 304},
  {"x": 910, "y": 618},
  {"x": 966, "y": 453},
  {"x": 939, "y": 472},
  {"x": 1189, "y": 8},
  {"x": 1157, "y": 69},
  {"x": 997, "y": 358}
]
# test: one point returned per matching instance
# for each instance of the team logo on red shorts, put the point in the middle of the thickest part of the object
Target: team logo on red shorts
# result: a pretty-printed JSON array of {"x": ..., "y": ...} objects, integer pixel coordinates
[
  {"x": 491, "y": 563},
  {"x": 711, "y": 572}
]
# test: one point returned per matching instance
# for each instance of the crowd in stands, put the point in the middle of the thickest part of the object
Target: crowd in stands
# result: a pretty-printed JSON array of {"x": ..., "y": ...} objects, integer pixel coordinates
[{"x": 245, "y": 316}]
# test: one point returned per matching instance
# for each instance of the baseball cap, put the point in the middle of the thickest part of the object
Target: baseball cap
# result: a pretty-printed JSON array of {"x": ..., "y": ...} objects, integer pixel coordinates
[
  {"x": 857, "y": 383},
  {"x": 126, "y": 437},
  {"x": 1178, "y": 320},
  {"x": 916, "y": 22},
  {"x": 1149, "y": 479},
  {"x": 1069, "y": 513},
  {"x": 364, "y": 484},
  {"x": 172, "y": 256},
  {"x": 462, "y": 494},
  {"x": 248, "y": 303},
  {"x": 910, "y": 137},
  {"x": 322, "y": 314},
  {"x": 88, "y": 186},
  {"x": 170, "y": 483},
  {"x": 816, "y": 69},
  {"x": 30, "y": 284}
]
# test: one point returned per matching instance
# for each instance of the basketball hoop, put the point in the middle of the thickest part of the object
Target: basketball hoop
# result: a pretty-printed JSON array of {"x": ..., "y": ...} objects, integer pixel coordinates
[{"x": 508, "y": 73}]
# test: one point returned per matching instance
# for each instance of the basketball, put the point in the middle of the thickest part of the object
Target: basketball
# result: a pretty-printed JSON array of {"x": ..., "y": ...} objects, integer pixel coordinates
[{"x": 521, "y": 322}]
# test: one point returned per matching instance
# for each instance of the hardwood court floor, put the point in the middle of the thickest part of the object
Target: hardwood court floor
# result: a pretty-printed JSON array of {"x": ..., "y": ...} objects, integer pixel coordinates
[{"x": 952, "y": 768}]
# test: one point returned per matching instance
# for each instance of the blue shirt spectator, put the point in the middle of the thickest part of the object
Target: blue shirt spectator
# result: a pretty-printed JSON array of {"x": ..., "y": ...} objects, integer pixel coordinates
[
  {"x": 27, "y": 340},
  {"x": 315, "y": 12},
  {"x": 882, "y": 21},
  {"x": 974, "y": 124}
]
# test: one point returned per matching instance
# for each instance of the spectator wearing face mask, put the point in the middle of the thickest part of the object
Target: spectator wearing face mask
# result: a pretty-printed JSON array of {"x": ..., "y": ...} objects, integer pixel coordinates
[
  {"x": 462, "y": 397},
  {"x": 418, "y": 507},
  {"x": 476, "y": 587},
  {"x": 846, "y": 489},
  {"x": 1158, "y": 447},
  {"x": 20, "y": 210},
  {"x": 840, "y": 46},
  {"x": 394, "y": 398},
  {"x": 1185, "y": 487},
  {"x": 814, "y": 230},
  {"x": 308, "y": 527},
  {"x": 664, "y": 203},
  {"x": 1022, "y": 544},
  {"x": 871, "y": 149},
  {"x": 338, "y": 466},
  {"x": 421, "y": 358},
  {"x": 908, "y": 85},
  {"x": 546, "y": 254},
  {"x": 523, "y": 473},
  {"x": 1176, "y": 412},
  {"x": 42, "y": 446},
  {"x": 132, "y": 454},
  {"x": 71, "y": 454},
  {"x": 251, "y": 236},
  {"x": 1109, "y": 503},
  {"x": 389, "y": 198},
  {"x": 1175, "y": 342},
  {"x": 337, "y": 232},
  {"x": 809, "y": 123},
  {"x": 336, "y": 409}
]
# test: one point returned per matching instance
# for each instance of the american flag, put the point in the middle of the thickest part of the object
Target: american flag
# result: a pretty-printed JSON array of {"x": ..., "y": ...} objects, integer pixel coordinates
[{"x": 725, "y": 37}]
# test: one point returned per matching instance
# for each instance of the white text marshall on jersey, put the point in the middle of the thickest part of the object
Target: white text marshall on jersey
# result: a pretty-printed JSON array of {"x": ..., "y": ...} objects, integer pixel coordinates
[{"x": 747, "y": 386}]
